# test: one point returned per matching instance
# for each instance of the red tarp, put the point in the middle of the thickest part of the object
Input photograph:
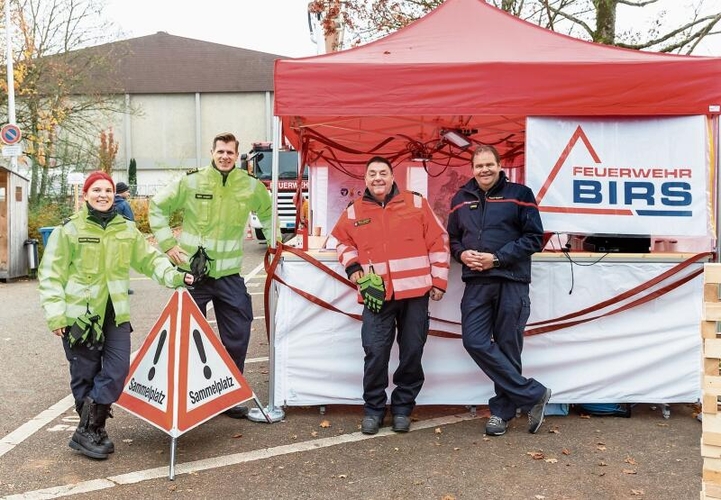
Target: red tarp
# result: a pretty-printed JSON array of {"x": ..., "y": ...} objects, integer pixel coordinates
[{"x": 470, "y": 65}]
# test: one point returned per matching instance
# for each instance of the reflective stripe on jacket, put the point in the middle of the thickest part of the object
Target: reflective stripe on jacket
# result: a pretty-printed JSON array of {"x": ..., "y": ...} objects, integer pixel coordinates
[
  {"x": 84, "y": 264},
  {"x": 403, "y": 240},
  {"x": 215, "y": 215}
]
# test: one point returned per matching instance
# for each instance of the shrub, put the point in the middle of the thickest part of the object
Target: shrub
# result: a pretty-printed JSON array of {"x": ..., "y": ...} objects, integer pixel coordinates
[
  {"x": 140, "y": 208},
  {"x": 46, "y": 214},
  {"x": 140, "y": 212}
]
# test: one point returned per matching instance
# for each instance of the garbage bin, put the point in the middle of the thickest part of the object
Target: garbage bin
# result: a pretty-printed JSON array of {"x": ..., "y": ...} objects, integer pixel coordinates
[
  {"x": 31, "y": 247},
  {"x": 45, "y": 233}
]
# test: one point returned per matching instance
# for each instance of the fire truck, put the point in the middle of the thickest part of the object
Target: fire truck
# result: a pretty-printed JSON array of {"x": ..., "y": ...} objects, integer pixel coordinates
[{"x": 258, "y": 162}]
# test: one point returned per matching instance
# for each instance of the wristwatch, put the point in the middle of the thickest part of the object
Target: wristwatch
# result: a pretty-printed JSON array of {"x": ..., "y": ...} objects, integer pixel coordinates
[{"x": 496, "y": 262}]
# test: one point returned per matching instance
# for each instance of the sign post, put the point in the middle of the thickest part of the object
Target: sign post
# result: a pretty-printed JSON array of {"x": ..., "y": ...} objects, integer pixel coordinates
[{"x": 10, "y": 83}]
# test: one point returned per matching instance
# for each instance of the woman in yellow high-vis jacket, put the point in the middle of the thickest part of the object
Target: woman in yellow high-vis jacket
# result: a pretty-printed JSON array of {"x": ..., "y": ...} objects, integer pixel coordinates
[{"x": 83, "y": 282}]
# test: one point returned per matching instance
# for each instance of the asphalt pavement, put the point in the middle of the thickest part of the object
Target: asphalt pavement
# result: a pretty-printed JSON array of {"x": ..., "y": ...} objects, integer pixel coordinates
[{"x": 312, "y": 454}]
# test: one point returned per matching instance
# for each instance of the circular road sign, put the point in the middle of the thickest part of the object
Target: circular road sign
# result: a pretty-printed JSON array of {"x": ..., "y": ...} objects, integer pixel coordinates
[{"x": 10, "y": 134}]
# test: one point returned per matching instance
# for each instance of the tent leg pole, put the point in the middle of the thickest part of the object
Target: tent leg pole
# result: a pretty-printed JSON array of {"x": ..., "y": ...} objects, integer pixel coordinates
[
  {"x": 717, "y": 187},
  {"x": 272, "y": 414}
]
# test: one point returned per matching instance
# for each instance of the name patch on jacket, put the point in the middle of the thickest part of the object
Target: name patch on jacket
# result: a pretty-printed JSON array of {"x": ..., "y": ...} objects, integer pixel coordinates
[
  {"x": 86, "y": 239},
  {"x": 496, "y": 198},
  {"x": 362, "y": 222},
  {"x": 200, "y": 196}
]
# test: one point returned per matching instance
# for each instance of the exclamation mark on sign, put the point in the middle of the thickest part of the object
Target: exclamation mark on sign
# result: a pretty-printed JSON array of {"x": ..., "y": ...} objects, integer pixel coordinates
[
  {"x": 158, "y": 350},
  {"x": 201, "y": 351}
]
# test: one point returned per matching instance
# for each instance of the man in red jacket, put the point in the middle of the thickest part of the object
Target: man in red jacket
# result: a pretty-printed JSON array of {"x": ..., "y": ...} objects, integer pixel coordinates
[{"x": 395, "y": 248}]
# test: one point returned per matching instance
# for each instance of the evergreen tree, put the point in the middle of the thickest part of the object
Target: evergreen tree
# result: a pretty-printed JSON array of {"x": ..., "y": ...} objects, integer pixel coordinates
[{"x": 133, "y": 176}]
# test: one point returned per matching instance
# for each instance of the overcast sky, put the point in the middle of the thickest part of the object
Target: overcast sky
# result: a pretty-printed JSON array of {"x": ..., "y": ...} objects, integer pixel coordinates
[
  {"x": 273, "y": 26},
  {"x": 281, "y": 26}
]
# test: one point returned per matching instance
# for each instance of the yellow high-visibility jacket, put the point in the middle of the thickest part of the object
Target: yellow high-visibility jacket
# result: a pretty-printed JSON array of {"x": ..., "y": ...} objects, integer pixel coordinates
[
  {"x": 216, "y": 211},
  {"x": 84, "y": 265}
]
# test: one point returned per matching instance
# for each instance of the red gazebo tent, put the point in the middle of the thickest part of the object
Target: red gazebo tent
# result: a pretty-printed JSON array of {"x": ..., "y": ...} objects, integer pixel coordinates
[
  {"x": 467, "y": 65},
  {"x": 470, "y": 67}
]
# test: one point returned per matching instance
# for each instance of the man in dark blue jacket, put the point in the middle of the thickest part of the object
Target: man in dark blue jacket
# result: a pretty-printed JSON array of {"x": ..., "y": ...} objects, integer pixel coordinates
[
  {"x": 494, "y": 227},
  {"x": 122, "y": 193}
]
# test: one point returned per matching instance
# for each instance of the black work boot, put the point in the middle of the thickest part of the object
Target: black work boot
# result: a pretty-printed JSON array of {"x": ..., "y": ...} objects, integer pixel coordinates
[
  {"x": 238, "y": 411},
  {"x": 104, "y": 439},
  {"x": 86, "y": 439},
  {"x": 371, "y": 424},
  {"x": 105, "y": 412}
]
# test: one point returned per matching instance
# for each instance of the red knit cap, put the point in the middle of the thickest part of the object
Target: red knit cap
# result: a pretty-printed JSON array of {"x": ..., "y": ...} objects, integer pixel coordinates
[{"x": 96, "y": 176}]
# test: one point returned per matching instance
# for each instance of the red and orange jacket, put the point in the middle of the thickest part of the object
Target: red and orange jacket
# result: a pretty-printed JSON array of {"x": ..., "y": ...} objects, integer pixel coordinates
[{"x": 403, "y": 240}]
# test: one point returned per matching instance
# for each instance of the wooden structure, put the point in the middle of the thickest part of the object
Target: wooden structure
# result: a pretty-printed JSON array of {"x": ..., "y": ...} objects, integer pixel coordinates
[
  {"x": 14, "y": 192},
  {"x": 711, "y": 384}
]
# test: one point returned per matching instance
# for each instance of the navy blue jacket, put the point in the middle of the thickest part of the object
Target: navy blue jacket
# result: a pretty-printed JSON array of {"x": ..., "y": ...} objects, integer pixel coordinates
[
  {"x": 503, "y": 221},
  {"x": 123, "y": 207}
]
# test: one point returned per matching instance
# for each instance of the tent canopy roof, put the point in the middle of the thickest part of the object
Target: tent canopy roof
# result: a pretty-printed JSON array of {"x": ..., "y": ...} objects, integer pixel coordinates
[{"x": 468, "y": 65}]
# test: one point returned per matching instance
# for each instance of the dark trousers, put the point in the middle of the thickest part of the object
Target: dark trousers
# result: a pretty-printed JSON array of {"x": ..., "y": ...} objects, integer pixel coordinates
[
  {"x": 233, "y": 312},
  {"x": 101, "y": 374},
  {"x": 409, "y": 318},
  {"x": 493, "y": 317}
]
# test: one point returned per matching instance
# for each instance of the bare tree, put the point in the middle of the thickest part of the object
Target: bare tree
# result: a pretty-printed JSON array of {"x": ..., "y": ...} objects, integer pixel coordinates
[
  {"x": 592, "y": 20},
  {"x": 597, "y": 21},
  {"x": 59, "y": 115}
]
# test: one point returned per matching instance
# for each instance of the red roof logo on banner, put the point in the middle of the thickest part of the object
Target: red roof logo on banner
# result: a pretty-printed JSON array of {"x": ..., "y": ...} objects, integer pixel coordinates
[
  {"x": 578, "y": 134},
  {"x": 182, "y": 374}
]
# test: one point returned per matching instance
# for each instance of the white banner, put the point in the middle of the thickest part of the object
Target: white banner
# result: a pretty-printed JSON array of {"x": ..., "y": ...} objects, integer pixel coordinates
[
  {"x": 648, "y": 353},
  {"x": 620, "y": 175}
]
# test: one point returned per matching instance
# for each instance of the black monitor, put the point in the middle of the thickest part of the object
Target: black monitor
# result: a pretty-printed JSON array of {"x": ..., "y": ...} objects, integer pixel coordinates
[{"x": 617, "y": 243}]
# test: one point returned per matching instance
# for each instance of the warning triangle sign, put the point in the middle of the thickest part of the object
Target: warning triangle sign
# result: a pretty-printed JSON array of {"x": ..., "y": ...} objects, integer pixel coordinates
[
  {"x": 149, "y": 391},
  {"x": 182, "y": 374}
]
